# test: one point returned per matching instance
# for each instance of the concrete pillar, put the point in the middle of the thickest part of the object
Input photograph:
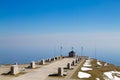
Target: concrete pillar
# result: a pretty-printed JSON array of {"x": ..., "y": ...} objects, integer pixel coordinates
[
  {"x": 43, "y": 62},
  {"x": 69, "y": 65},
  {"x": 79, "y": 58},
  {"x": 73, "y": 63},
  {"x": 32, "y": 64},
  {"x": 49, "y": 60},
  {"x": 54, "y": 59},
  {"x": 14, "y": 69},
  {"x": 60, "y": 71},
  {"x": 76, "y": 61},
  {"x": 59, "y": 57}
]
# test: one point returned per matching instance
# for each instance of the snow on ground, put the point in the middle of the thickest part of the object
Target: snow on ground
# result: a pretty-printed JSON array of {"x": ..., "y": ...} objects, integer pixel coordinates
[
  {"x": 87, "y": 63},
  {"x": 98, "y": 63},
  {"x": 116, "y": 78},
  {"x": 105, "y": 64},
  {"x": 111, "y": 75},
  {"x": 83, "y": 75},
  {"x": 85, "y": 68},
  {"x": 97, "y": 79}
]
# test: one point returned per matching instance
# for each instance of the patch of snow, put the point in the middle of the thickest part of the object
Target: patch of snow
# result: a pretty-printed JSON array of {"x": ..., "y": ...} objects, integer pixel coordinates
[
  {"x": 85, "y": 69},
  {"x": 83, "y": 75},
  {"x": 111, "y": 75},
  {"x": 116, "y": 72},
  {"x": 105, "y": 64},
  {"x": 97, "y": 79},
  {"x": 98, "y": 63},
  {"x": 116, "y": 78},
  {"x": 87, "y": 63}
]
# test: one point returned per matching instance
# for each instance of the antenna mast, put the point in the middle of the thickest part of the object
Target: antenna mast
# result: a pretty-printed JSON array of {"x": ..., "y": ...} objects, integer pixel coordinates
[
  {"x": 82, "y": 51},
  {"x": 61, "y": 50},
  {"x": 95, "y": 53}
]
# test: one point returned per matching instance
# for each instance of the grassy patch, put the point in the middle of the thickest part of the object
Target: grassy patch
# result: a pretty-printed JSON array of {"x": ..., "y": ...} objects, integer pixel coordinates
[
  {"x": 97, "y": 71},
  {"x": 74, "y": 76}
]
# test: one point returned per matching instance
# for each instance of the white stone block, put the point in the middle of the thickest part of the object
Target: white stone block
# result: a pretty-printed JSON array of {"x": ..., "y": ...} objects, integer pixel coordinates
[
  {"x": 60, "y": 71},
  {"x": 14, "y": 69},
  {"x": 73, "y": 63},
  {"x": 49, "y": 60},
  {"x": 43, "y": 62},
  {"x": 32, "y": 64},
  {"x": 69, "y": 65}
]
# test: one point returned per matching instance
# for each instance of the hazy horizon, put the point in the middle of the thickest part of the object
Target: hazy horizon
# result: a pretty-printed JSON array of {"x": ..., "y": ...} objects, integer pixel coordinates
[{"x": 45, "y": 25}]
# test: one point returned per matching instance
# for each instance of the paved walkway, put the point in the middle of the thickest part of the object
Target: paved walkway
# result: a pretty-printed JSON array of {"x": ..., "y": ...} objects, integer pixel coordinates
[
  {"x": 43, "y": 72},
  {"x": 69, "y": 73}
]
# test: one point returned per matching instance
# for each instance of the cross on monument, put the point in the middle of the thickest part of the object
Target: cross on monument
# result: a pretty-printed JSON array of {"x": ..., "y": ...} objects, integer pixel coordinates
[{"x": 72, "y": 48}]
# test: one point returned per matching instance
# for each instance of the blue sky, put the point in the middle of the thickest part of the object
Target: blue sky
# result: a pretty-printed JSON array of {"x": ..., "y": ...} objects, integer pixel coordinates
[{"x": 46, "y": 23}]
